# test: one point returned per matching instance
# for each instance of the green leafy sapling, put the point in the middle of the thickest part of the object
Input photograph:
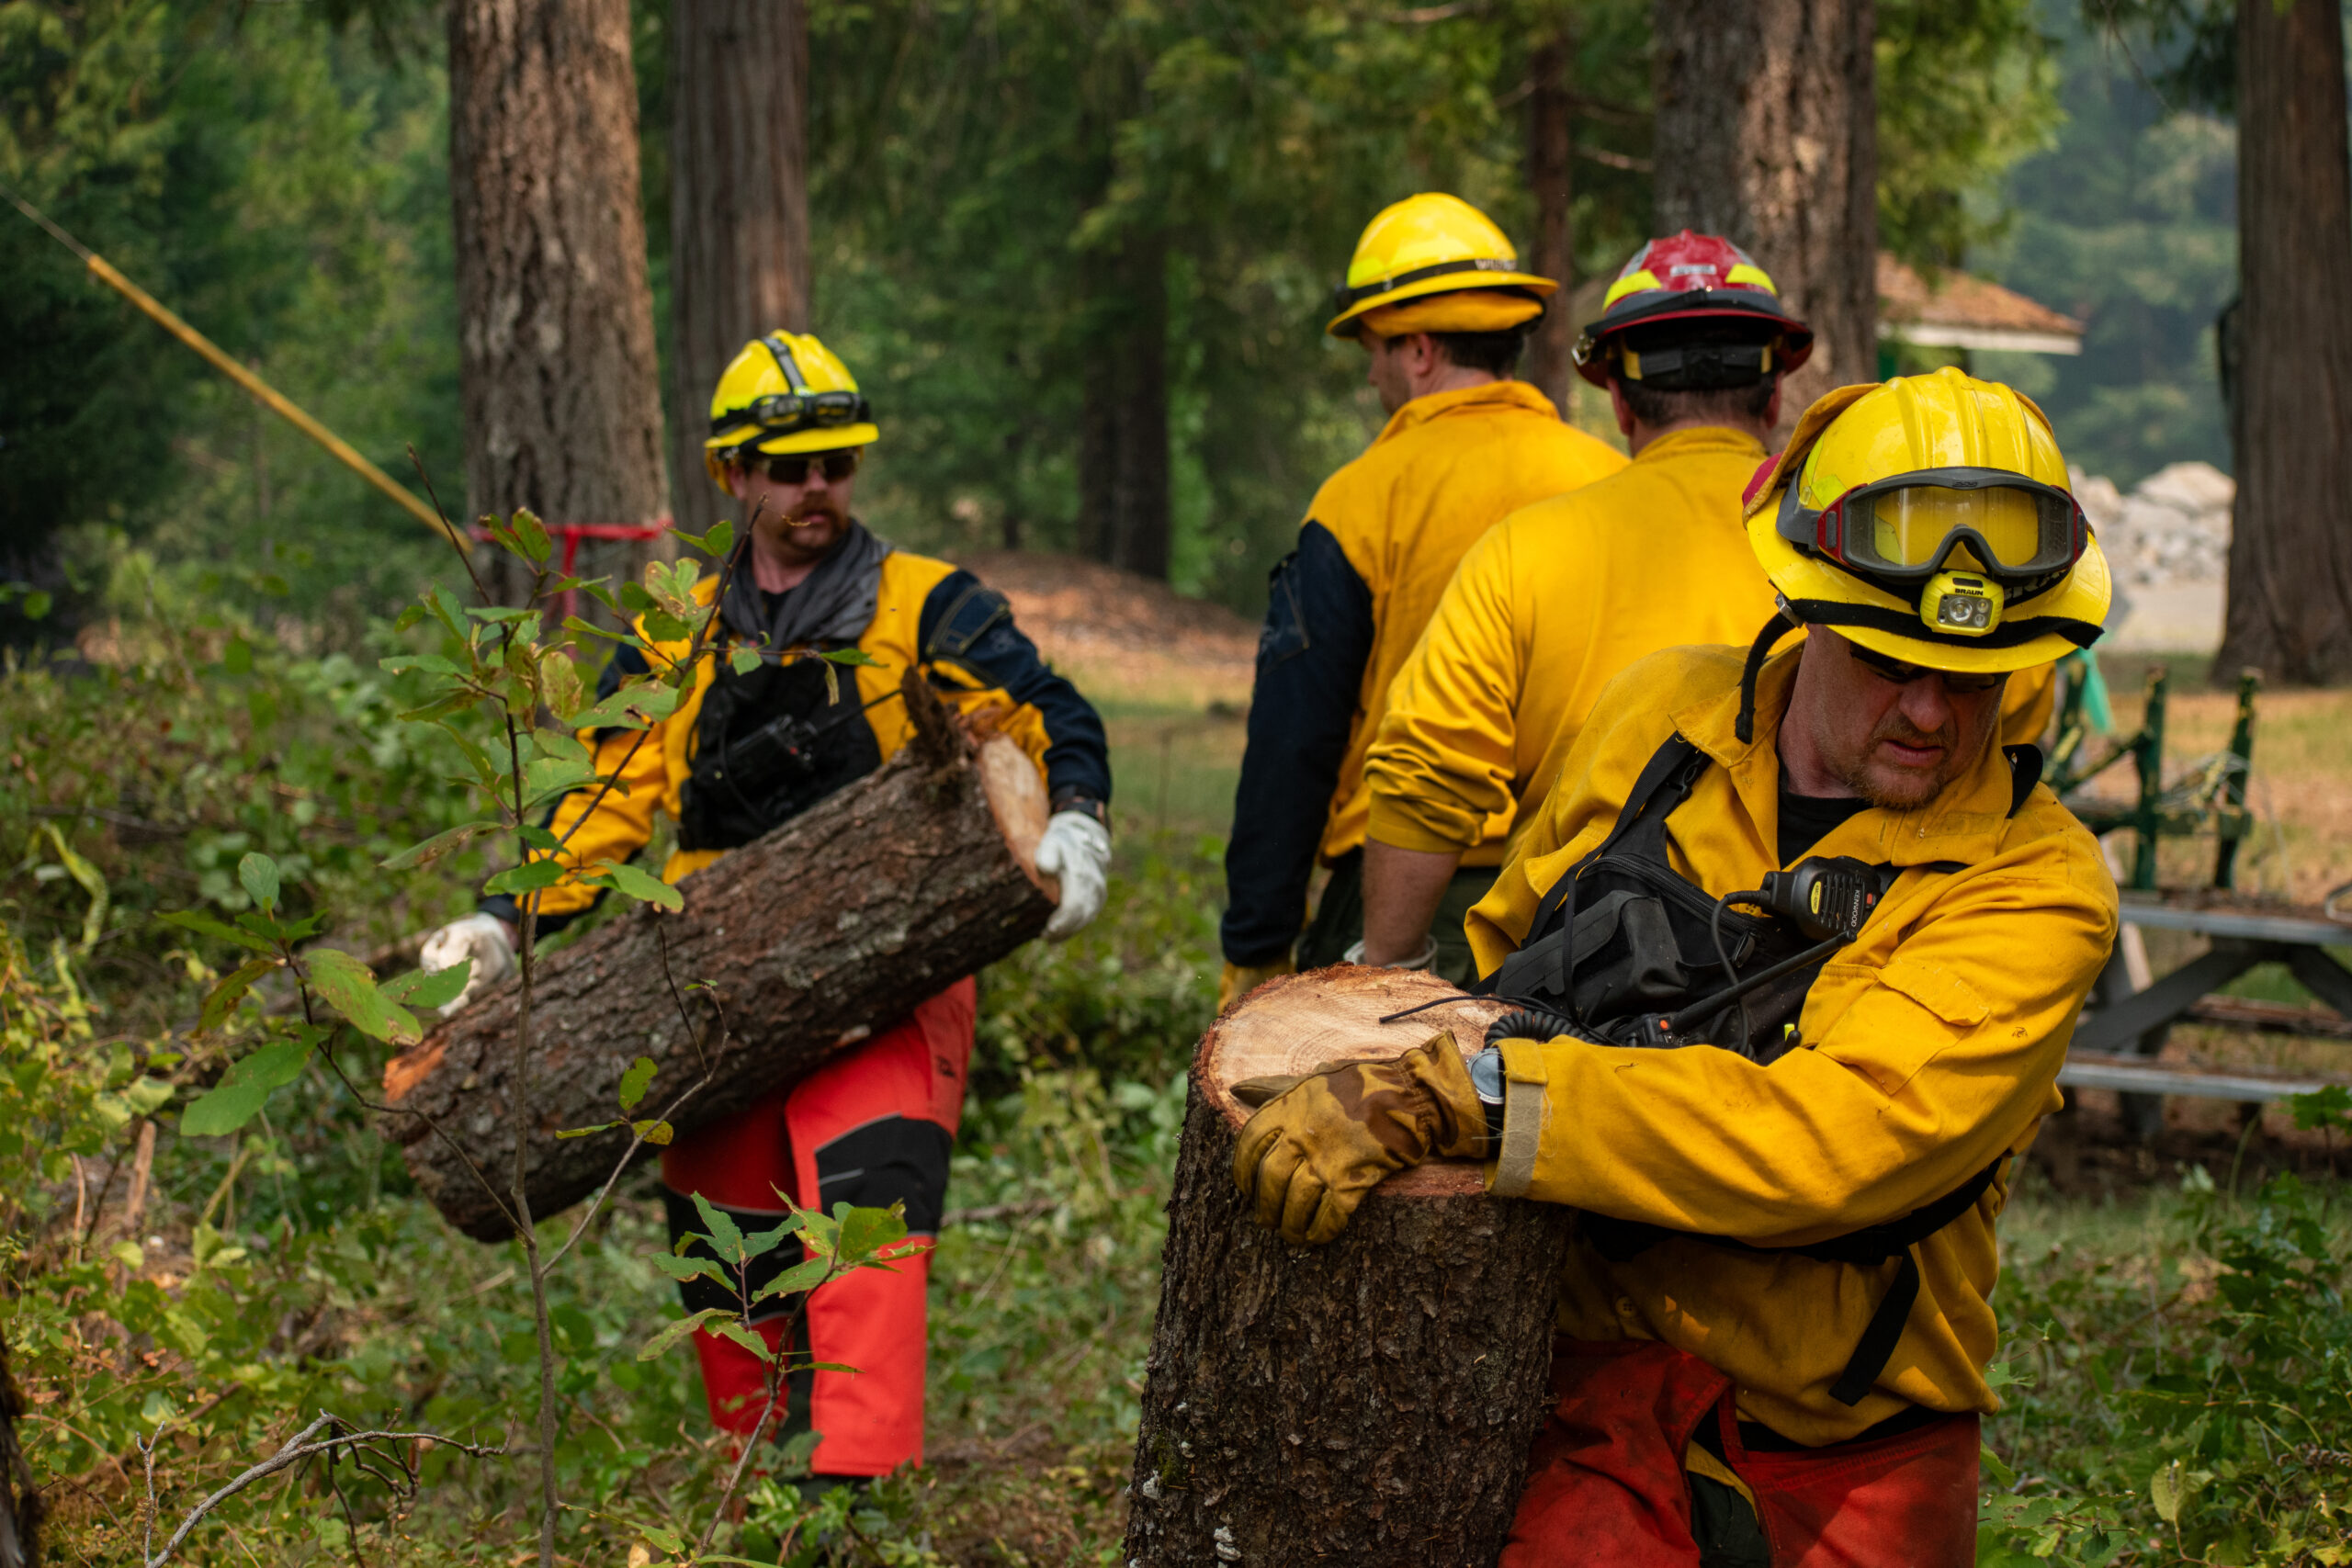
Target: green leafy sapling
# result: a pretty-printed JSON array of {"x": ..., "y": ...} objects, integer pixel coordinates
[{"x": 831, "y": 1246}]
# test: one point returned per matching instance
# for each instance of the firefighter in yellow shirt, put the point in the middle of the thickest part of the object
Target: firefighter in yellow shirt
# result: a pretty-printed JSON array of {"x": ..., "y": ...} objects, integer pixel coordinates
[
  {"x": 1436, "y": 297},
  {"x": 1798, "y": 947},
  {"x": 1554, "y": 601}
]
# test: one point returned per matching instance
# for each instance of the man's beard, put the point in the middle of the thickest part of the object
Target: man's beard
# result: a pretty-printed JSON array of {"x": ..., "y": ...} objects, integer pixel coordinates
[{"x": 1917, "y": 786}]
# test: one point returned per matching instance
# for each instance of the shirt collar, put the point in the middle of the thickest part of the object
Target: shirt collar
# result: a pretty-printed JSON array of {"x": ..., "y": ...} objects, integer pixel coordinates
[
  {"x": 1487, "y": 397},
  {"x": 1962, "y": 823},
  {"x": 1700, "y": 439}
]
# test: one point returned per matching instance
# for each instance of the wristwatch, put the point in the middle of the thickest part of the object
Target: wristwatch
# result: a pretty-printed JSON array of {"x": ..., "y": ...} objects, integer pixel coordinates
[
  {"x": 1487, "y": 1079},
  {"x": 1069, "y": 797}
]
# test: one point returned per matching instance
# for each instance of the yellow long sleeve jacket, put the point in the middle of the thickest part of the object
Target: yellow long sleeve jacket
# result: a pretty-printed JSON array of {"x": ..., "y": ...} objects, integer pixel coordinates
[
  {"x": 1543, "y": 611},
  {"x": 1928, "y": 1049},
  {"x": 929, "y": 614},
  {"x": 1378, "y": 546}
]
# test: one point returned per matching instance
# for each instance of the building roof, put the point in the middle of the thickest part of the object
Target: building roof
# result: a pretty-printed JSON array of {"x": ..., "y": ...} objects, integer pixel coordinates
[{"x": 1952, "y": 310}]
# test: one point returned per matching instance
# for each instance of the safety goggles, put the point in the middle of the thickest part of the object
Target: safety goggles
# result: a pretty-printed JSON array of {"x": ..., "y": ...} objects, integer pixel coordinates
[
  {"x": 1903, "y": 674},
  {"x": 1905, "y": 528},
  {"x": 781, "y": 413},
  {"x": 793, "y": 468}
]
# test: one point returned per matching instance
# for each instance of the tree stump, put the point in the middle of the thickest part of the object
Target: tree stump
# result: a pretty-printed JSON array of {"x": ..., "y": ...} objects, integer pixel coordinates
[
  {"x": 809, "y": 939},
  {"x": 1370, "y": 1402}
]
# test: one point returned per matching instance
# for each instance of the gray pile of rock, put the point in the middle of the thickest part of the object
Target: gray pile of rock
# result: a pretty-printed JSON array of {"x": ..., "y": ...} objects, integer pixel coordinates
[{"x": 2171, "y": 531}]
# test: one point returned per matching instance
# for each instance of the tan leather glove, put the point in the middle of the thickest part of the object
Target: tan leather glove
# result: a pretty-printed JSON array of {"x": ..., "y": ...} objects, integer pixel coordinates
[
  {"x": 1239, "y": 981},
  {"x": 1315, "y": 1148}
]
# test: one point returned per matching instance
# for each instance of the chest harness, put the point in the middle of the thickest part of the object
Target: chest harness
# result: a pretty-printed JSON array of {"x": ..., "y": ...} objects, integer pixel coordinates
[{"x": 1624, "y": 950}]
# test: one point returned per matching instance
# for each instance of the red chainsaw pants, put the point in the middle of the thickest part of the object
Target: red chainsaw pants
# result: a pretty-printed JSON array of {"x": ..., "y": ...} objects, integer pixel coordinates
[
  {"x": 871, "y": 1127},
  {"x": 1607, "y": 1484}
]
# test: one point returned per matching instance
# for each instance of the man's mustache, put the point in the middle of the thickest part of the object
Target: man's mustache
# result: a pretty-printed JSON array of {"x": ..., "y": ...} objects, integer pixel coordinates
[
  {"x": 809, "y": 515},
  {"x": 1903, "y": 732}
]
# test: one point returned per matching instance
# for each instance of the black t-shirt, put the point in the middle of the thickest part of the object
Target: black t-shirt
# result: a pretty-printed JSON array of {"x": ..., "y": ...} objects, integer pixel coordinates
[{"x": 1806, "y": 819}]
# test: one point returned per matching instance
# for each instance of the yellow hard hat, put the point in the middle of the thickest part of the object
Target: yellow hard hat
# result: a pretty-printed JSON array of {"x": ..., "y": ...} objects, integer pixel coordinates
[
  {"x": 1433, "y": 243},
  {"x": 785, "y": 392},
  {"x": 1928, "y": 518}
]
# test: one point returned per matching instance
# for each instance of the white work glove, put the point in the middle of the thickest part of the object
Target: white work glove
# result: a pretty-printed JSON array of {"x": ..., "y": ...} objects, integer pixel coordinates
[
  {"x": 479, "y": 937},
  {"x": 1075, "y": 851}
]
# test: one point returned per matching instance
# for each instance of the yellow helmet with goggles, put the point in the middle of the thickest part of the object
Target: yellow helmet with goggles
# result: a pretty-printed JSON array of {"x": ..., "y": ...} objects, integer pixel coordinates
[
  {"x": 784, "y": 393},
  {"x": 1928, "y": 519}
]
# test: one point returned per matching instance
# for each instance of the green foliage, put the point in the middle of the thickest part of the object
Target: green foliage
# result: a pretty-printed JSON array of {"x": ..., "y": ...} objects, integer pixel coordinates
[
  {"x": 2129, "y": 223},
  {"x": 287, "y": 193},
  {"x": 2192, "y": 1401},
  {"x": 1965, "y": 89}
]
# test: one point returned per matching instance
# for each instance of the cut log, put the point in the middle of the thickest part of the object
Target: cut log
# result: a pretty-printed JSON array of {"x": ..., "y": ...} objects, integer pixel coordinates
[
  {"x": 1370, "y": 1402},
  {"x": 810, "y": 939}
]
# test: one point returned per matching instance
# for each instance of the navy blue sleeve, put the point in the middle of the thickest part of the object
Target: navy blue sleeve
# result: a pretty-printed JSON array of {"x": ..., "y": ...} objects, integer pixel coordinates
[
  {"x": 1311, "y": 655},
  {"x": 967, "y": 623}
]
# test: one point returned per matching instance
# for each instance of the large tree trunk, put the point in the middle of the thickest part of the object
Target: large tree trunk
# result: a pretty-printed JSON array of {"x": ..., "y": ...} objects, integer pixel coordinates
[
  {"x": 1370, "y": 1402},
  {"x": 1551, "y": 148},
  {"x": 1767, "y": 134},
  {"x": 562, "y": 392},
  {"x": 739, "y": 207},
  {"x": 1122, "y": 434},
  {"x": 2290, "y": 552},
  {"x": 843, "y": 919}
]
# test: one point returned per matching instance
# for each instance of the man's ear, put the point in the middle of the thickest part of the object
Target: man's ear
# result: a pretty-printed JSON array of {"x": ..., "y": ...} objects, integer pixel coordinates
[
  {"x": 1621, "y": 408},
  {"x": 1772, "y": 409}
]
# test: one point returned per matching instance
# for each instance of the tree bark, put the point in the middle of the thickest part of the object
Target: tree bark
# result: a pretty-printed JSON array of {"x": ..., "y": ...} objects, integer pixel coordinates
[
  {"x": 1551, "y": 148},
  {"x": 558, "y": 377},
  {"x": 1368, "y": 1402},
  {"x": 842, "y": 919},
  {"x": 739, "y": 207},
  {"x": 1767, "y": 134},
  {"x": 20, "y": 1501},
  {"x": 1123, "y": 435},
  {"x": 2290, "y": 551}
]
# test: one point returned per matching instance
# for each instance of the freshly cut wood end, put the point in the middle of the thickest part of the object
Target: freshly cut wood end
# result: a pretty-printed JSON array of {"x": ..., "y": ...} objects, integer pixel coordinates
[
  {"x": 1017, "y": 796},
  {"x": 412, "y": 1067},
  {"x": 1298, "y": 1023}
]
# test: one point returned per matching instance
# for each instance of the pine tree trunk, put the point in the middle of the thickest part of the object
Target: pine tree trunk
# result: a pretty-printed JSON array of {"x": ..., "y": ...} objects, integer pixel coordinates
[
  {"x": 1370, "y": 1402},
  {"x": 1122, "y": 434},
  {"x": 1767, "y": 134},
  {"x": 738, "y": 207},
  {"x": 20, "y": 1501},
  {"x": 561, "y": 390},
  {"x": 843, "y": 918},
  {"x": 2290, "y": 551},
  {"x": 1551, "y": 147}
]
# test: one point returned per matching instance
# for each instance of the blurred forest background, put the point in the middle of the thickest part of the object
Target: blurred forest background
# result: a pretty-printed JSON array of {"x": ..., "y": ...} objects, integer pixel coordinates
[{"x": 279, "y": 174}]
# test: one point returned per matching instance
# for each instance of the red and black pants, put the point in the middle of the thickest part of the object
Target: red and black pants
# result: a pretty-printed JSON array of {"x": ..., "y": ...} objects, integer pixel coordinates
[{"x": 870, "y": 1128}]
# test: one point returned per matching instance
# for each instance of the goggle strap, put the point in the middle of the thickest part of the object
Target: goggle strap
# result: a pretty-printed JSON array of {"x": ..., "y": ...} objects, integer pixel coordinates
[
  {"x": 785, "y": 361},
  {"x": 1906, "y": 623},
  {"x": 1347, "y": 298}
]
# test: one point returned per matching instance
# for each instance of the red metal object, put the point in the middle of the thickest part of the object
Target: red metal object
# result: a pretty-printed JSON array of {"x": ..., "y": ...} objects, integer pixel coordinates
[{"x": 568, "y": 537}]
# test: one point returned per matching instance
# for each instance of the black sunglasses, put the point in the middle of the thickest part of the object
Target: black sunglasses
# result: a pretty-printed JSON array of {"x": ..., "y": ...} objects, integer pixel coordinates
[
  {"x": 1903, "y": 674},
  {"x": 794, "y": 469}
]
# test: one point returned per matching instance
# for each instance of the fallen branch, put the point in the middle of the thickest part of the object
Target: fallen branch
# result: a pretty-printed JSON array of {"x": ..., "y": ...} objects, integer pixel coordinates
[{"x": 298, "y": 1448}]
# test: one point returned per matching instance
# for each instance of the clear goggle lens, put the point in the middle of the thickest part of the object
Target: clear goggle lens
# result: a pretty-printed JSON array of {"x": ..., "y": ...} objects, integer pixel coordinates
[{"x": 2024, "y": 530}]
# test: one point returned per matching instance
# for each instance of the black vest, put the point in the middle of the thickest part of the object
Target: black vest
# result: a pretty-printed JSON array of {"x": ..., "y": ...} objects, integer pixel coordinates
[{"x": 767, "y": 746}]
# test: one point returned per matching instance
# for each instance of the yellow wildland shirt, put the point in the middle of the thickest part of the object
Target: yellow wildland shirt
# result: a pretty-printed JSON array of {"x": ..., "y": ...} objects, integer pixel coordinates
[
  {"x": 1926, "y": 1050},
  {"x": 1376, "y": 550},
  {"x": 1546, "y": 610}
]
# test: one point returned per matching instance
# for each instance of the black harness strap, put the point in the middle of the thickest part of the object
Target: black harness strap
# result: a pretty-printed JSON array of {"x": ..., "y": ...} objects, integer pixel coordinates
[{"x": 1665, "y": 782}]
